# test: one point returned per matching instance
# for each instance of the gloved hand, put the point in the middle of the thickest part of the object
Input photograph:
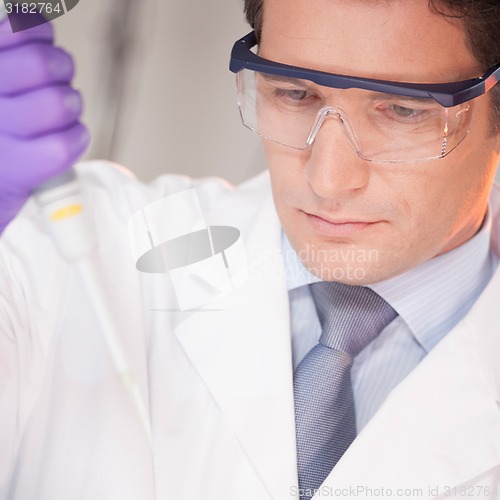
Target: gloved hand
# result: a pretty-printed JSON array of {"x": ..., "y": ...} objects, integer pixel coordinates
[{"x": 40, "y": 133}]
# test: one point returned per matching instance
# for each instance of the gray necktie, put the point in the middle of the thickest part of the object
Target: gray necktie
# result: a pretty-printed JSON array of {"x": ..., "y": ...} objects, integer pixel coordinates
[{"x": 351, "y": 317}]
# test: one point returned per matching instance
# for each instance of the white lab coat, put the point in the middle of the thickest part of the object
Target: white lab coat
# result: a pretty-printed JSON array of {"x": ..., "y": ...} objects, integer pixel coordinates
[{"x": 218, "y": 383}]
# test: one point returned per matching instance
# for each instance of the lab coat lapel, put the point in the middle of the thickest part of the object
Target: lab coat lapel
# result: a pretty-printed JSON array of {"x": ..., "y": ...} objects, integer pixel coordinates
[
  {"x": 441, "y": 426},
  {"x": 242, "y": 351}
]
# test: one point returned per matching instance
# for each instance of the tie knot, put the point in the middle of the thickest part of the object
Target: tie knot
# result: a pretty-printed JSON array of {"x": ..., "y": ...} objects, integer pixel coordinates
[{"x": 350, "y": 316}]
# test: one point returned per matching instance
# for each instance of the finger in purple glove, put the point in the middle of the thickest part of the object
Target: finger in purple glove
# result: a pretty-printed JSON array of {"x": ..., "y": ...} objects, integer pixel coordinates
[
  {"x": 33, "y": 65},
  {"x": 28, "y": 163},
  {"x": 40, "y": 112}
]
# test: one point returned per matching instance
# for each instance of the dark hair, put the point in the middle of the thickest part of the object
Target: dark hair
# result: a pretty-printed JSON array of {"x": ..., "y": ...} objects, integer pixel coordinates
[{"x": 480, "y": 18}]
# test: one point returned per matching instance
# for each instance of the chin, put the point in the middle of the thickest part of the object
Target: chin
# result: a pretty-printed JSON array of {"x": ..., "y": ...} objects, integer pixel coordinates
[{"x": 350, "y": 274}]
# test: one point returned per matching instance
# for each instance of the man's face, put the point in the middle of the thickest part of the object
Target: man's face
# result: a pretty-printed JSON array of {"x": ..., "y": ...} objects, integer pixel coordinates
[{"x": 356, "y": 221}]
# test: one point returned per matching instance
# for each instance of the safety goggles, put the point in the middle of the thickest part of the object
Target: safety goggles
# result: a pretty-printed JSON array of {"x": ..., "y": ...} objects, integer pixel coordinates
[{"x": 384, "y": 121}]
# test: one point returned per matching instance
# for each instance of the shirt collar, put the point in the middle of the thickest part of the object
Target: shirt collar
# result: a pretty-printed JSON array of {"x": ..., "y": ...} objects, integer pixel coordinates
[{"x": 432, "y": 297}]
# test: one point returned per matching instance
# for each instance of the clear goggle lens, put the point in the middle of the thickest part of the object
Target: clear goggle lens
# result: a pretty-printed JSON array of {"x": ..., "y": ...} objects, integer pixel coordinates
[{"x": 380, "y": 127}]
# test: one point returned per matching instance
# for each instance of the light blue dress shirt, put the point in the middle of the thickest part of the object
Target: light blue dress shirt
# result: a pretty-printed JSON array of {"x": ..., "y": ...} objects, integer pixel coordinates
[{"x": 430, "y": 300}]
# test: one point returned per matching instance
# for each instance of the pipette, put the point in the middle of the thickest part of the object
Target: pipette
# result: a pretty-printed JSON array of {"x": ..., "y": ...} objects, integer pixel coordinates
[{"x": 62, "y": 206}]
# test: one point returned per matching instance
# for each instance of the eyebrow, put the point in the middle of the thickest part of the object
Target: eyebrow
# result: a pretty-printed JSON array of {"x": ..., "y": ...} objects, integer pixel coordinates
[
  {"x": 373, "y": 94},
  {"x": 285, "y": 79},
  {"x": 398, "y": 97}
]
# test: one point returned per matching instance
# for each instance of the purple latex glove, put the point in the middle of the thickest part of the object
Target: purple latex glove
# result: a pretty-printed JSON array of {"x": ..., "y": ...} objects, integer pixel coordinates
[{"x": 40, "y": 132}]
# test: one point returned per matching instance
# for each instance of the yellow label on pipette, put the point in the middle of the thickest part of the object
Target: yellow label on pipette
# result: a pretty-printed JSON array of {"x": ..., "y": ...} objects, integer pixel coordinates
[{"x": 66, "y": 212}]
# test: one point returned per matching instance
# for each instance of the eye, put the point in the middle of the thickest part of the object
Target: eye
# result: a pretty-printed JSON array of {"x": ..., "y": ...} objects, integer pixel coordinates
[
  {"x": 404, "y": 112},
  {"x": 292, "y": 94}
]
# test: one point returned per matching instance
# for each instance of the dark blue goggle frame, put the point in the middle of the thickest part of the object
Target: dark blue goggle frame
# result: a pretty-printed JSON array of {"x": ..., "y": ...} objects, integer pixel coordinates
[{"x": 446, "y": 94}]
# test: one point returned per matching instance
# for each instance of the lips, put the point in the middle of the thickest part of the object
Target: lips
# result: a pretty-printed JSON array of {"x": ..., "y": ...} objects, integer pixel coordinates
[
  {"x": 345, "y": 220},
  {"x": 338, "y": 227}
]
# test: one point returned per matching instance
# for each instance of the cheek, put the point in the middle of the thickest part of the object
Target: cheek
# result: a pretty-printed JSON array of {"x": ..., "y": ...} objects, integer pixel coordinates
[
  {"x": 416, "y": 207},
  {"x": 442, "y": 204},
  {"x": 286, "y": 167},
  {"x": 422, "y": 208}
]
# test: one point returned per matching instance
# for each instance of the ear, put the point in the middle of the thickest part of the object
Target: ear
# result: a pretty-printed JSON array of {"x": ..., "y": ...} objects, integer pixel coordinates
[
  {"x": 495, "y": 117},
  {"x": 496, "y": 139}
]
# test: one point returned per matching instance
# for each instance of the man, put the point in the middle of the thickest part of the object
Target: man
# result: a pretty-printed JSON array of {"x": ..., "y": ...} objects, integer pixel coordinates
[{"x": 373, "y": 183}]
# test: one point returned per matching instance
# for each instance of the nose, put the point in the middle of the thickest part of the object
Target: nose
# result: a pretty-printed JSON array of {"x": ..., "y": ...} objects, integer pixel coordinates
[{"x": 333, "y": 166}]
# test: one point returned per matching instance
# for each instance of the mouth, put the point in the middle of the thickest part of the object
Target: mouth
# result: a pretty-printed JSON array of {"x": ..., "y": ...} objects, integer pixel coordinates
[{"x": 338, "y": 227}]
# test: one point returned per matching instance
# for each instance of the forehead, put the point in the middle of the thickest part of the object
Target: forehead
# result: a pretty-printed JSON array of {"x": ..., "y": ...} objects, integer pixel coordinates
[{"x": 400, "y": 40}]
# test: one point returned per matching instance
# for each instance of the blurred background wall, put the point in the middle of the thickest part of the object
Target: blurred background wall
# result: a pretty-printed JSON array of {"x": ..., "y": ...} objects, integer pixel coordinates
[{"x": 158, "y": 93}]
